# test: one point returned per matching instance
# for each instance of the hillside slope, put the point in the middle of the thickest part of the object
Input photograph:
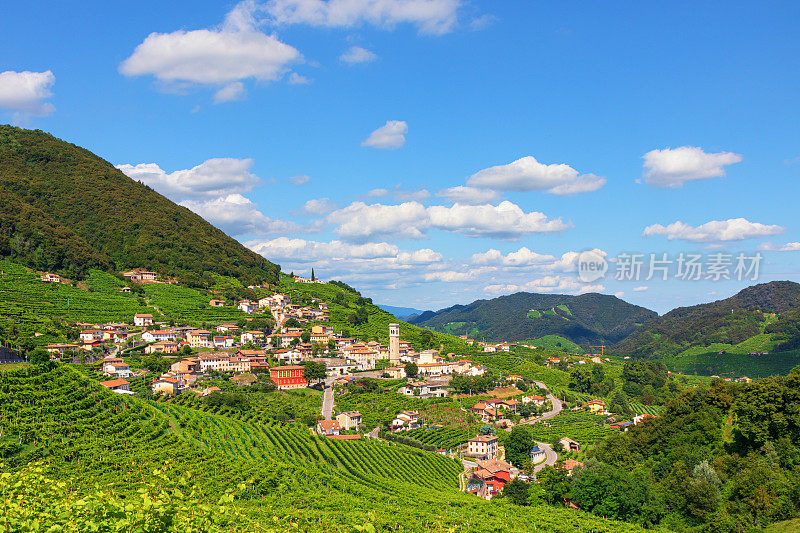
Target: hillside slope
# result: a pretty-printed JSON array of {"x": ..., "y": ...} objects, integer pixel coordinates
[
  {"x": 67, "y": 210},
  {"x": 760, "y": 316},
  {"x": 584, "y": 319},
  {"x": 283, "y": 478}
]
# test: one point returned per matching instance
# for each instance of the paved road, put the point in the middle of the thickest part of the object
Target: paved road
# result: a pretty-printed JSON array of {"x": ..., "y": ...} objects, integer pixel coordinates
[
  {"x": 555, "y": 402},
  {"x": 550, "y": 457},
  {"x": 327, "y": 399}
]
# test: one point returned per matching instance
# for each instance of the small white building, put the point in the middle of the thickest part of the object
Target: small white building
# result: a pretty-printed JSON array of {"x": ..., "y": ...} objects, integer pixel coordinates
[
  {"x": 158, "y": 335},
  {"x": 143, "y": 320},
  {"x": 247, "y": 306}
]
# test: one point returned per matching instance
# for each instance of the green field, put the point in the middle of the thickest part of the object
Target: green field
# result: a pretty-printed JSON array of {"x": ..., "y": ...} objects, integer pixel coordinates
[
  {"x": 581, "y": 426},
  {"x": 554, "y": 342},
  {"x": 98, "y": 447},
  {"x": 735, "y": 365}
]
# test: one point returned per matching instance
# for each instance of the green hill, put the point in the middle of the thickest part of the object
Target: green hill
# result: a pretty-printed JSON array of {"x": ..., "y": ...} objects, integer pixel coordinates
[
  {"x": 585, "y": 319},
  {"x": 759, "y": 318},
  {"x": 67, "y": 210},
  {"x": 77, "y": 457}
]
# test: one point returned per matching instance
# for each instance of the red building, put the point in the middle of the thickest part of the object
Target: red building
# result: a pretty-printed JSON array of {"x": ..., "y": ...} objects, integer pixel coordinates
[{"x": 288, "y": 377}]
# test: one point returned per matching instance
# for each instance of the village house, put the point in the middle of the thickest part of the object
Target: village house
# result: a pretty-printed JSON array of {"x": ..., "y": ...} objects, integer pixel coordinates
[
  {"x": 336, "y": 366},
  {"x": 138, "y": 274},
  {"x": 406, "y": 420},
  {"x": 142, "y": 320},
  {"x": 60, "y": 348},
  {"x": 216, "y": 303},
  {"x": 247, "y": 306},
  {"x": 328, "y": 428},
  {"x": 349, "y": 420},
  {"x": 91, "y": 335},
  {"x": 199, "y": 338},
  {"x": 569, "y": 466},
  {"x": 256, "y": 337},
  {"x": 162, "y": 347},
  {"x": 47, "y": 277},
  {"x": 117, "y": 368},
  {"x": 395, "y": 372},
  {"x": 319, "y": 335},
  {"x": 117, "y": 385},
  {"x": 492, "y": 475},
  {"x": 288, "y": 377},
  {"x": 441, "y": 367},
  {"x": 158, "y": 335},
  {"x": 364, "y": 356},
  {"x": 222, "y": 342},
  {"x": 285, "y": 339},
  {"x": 165, "y": 386},
  {"x": 115, "y": 335},
  {"x": 187, "y": 366},
  {"x": 641, "y": 418},
  {"x": 209, "y": 390},
  {"x": 569, "y": 445},
  {"x": 597, "y": 407},
  {"x": 483, "y": 447},
  {"x": 227, "y": 328},
  {"x": 538, "y": 401}
]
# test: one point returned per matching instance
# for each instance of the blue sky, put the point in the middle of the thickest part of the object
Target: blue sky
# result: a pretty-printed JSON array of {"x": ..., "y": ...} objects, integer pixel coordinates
[{"x": 331, "y": 134}]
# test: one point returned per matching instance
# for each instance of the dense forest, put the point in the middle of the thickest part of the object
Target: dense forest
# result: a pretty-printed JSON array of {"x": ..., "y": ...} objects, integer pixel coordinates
[
  {"x": 766, "y": 308},
  {"x": 67, "y": 210},
  {"x": 585, "y": 319}
]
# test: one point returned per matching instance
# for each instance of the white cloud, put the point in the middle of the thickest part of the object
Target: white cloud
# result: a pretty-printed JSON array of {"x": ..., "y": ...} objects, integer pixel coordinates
[
  {"x": 788, "y": 247},
  {"x": 237, "y": 215},
  {"x": 389, "y": 136},
  {"x": 298, "y": 79},
  {"x": 503, "y": 221},
  {"x": 233, "y": 52},
  {"x": 301, "y": 250},
  {"x": 672, "y": 167},
  {"x": 430, "y": 16},
  {"x": 300, "y": 179},
  {"x": 25, "y": 92},
  {"x": 469, "y": 195},
  {"x": 715, "y": 231},
  {"x": 377, "y": 193},
  {"x": 362, "y": 222},
  {"x": 527, "y": 174},
  {"x": 213, "y": 178},
  {"x": 619, "y": 294},
  {"x": 547, "y": 284},
  {"x": 525, "y": 258},
  {"x": 410, "y": 220},
  {"x": 522, "y": 257},
  {"x": 640, "y": 289},
  {"x": 401, "y": 194},
  {"x": 356, "y": 54},
  {"x": 231, "y": 92},
  {"x": 319, "y": 206}
]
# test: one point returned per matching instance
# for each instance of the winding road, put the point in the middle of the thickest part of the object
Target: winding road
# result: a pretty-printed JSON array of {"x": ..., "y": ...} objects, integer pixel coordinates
[
  {"x": 550, "y": 455},
  {"x": 327, "y": 399}
]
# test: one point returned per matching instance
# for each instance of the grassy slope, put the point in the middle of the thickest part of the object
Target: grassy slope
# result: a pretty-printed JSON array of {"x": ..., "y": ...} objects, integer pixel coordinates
[
  {"x": 36, "y": 307},
  {"x": 734, "y": 365},
  {"x": 89, "y": 435}
]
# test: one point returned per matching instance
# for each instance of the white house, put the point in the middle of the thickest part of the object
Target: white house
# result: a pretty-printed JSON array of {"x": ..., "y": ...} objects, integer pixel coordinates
[
  {"x": 247, "y": 306},
  {"x": 158, "y": 335},
  {"x": 142, "y": 320}
]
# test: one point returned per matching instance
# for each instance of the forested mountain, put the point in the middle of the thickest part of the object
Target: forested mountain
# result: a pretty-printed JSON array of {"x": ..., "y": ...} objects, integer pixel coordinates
[
  {"x": 768, "y": 311},
  {"x": 67, "y": 210},
  {"x": 588, "y": 318}
]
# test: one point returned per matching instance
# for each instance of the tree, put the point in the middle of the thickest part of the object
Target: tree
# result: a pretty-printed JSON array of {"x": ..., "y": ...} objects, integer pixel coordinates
[
  {"x": 517, "y": 492},
  {"x": 39, "y": 356},
  {"x": 412, "y": 370},
  {"x": 314, "y": 371},
  {"x": 305, "y": 336},
  {"x": 518, "y": 446},
  {"x": 313, "y": 278},
  {"x": 556, "y": 485}
]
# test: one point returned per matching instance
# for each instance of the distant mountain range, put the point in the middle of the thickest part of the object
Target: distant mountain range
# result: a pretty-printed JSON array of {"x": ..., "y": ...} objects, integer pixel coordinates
[
  {"x": 67, "y": 210},
  {"x": 759, "y": 318},
  {"x": 585, "y": 319},
  {"x": 403, "y": 313}
]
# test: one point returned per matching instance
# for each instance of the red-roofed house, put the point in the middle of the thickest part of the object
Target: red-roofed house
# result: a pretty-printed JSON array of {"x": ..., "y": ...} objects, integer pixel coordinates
[
  {"x": 328, "y": 427},
  {"x": 116, "y": 385},
  {"x": 142, "y": 319}
]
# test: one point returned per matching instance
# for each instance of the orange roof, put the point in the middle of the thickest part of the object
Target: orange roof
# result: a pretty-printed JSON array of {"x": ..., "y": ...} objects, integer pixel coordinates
[
  {"x": 143, "y": 315},
  {"x": 289, "y": 367},
  {"x": 484, "y": 438},
  {"x": 114, "y": 383},
  {"x": 345, "y": 437}
]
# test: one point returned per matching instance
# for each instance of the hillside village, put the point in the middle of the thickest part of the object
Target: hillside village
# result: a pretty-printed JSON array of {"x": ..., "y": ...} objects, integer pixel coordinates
[{"x": 296, "y": 348}]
